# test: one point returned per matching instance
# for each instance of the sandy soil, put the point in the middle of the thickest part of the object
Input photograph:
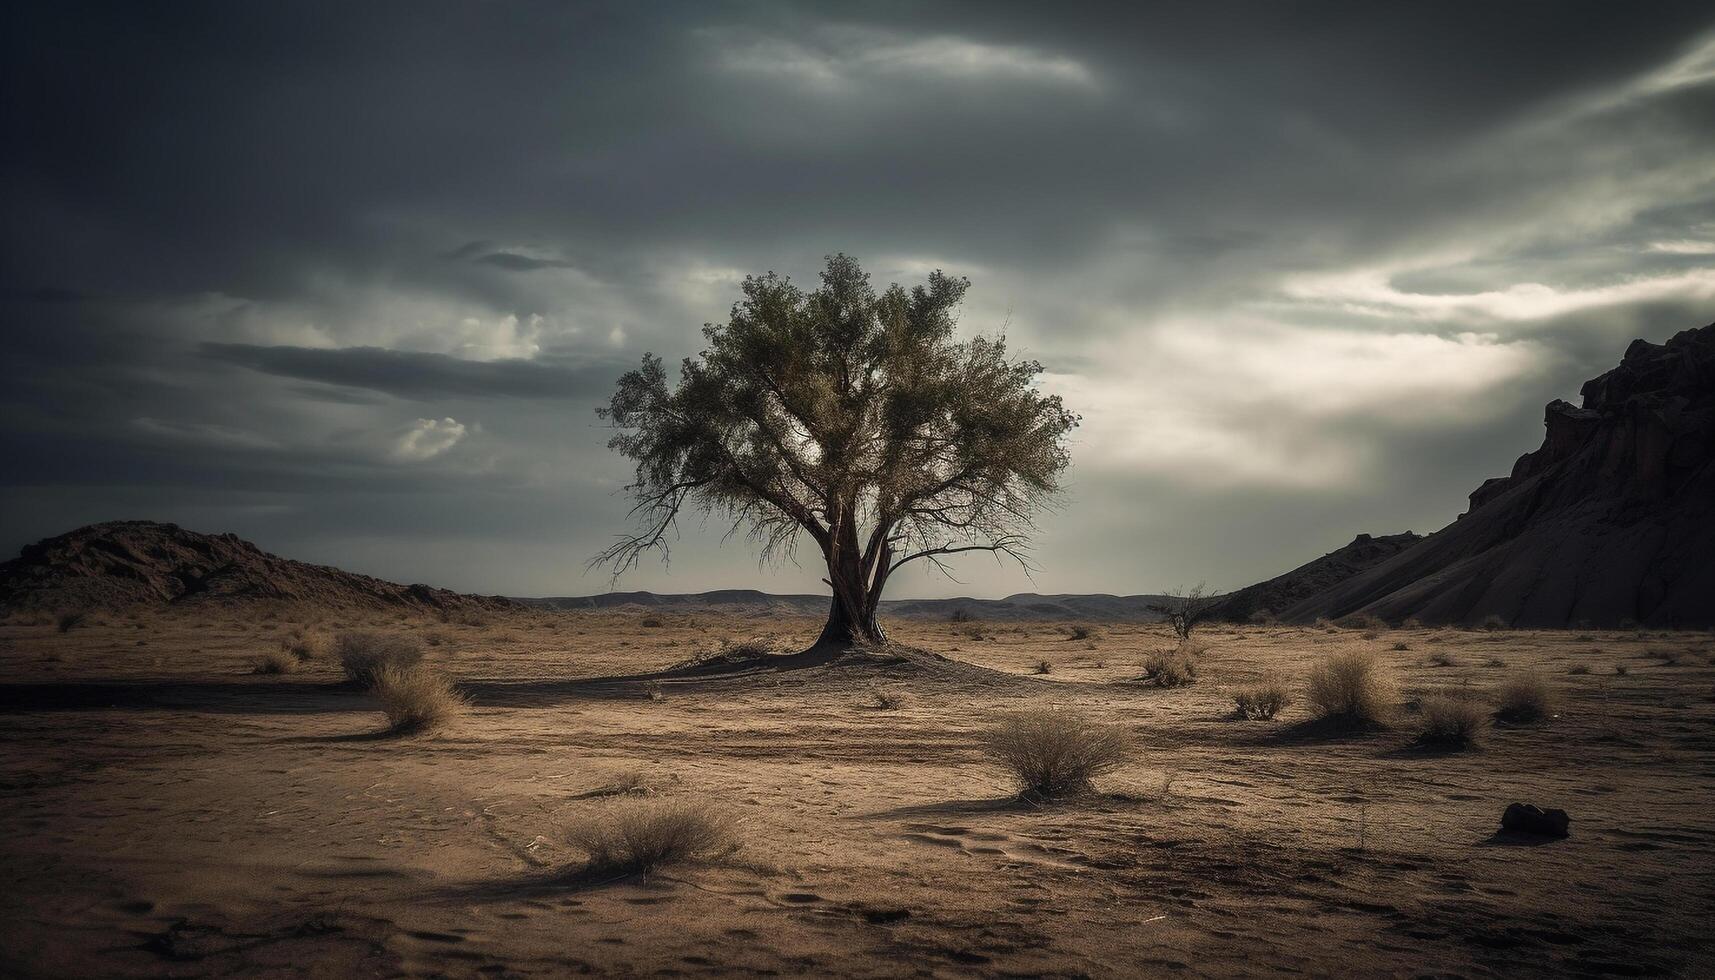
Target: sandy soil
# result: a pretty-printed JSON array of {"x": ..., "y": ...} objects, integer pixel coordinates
[{"x": 168, "y": 813}]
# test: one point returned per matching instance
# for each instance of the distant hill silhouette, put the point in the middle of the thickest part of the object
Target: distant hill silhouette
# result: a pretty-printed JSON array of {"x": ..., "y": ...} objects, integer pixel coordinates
[
  {"x": 1023, "y": 606},
  {"x": 122, "y": 563},
  {"x": 128, "y": 562},
  {"x": 1611, "y": 521}
]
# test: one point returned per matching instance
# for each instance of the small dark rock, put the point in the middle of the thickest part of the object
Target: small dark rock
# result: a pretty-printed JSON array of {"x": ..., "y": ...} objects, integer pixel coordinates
[{"x": 1528, "y": 818}]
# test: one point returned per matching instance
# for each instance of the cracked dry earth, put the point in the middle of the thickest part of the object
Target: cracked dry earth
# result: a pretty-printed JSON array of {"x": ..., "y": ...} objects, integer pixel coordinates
[{"x": 169, "y": 813}]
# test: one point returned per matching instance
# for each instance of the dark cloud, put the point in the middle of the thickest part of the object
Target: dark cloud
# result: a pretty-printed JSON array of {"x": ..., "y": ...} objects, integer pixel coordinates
[
  {"x": 1318, "y": 262},
  {"x": 413, "y": 374}
]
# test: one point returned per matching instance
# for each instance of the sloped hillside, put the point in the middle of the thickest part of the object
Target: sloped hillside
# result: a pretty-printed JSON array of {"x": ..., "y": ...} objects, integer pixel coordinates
[
  {"x": 128, "y": 562},
  {"x": 1311, "y": 578},
  {"x": 1611, "y": 521}
]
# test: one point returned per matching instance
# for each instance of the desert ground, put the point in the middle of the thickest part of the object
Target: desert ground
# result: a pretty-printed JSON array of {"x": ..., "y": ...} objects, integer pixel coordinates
[{"x": 171, "y": 813}]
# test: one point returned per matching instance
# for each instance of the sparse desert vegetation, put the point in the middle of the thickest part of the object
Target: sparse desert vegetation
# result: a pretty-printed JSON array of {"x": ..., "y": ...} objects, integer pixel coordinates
[
  {"x": 1263, "y": 700},
  {"x": 1351, "y": 688},
  {"x": 879, "y": 791},
  {"x": 276, "y": 662},
  {"x": 646, "y": 835},
  {"x": 1055, "y": 753},
  {"x": 1525, "y": 698},
  {"x": 1450, "y": 720},
  {"x": 1173, "y": 668},
  {"x": 415, "y": 699},
  {"x": 363, "y": 653}
]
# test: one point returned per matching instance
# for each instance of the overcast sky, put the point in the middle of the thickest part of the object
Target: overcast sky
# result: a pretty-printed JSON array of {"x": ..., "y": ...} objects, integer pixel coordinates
[{"x": 350, "y": 279}]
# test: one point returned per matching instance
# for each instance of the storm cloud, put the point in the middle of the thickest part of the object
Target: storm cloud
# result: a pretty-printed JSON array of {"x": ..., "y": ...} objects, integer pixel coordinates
[{"x": 350, "y": 279}]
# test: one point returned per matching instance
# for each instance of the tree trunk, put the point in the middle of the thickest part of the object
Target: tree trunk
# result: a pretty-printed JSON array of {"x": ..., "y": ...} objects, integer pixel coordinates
[
  {"x": 851, "y": 615},
  {"x": 845, "y": 630}
]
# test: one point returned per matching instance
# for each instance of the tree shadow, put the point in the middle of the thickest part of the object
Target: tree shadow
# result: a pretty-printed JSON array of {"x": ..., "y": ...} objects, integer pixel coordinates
[
  {"x": 380, "y": 735},
  {"x": 1431, "y": 751},
  {"x": 958, "y": 808},
  {"x": 1311, "y": 731},
  {"x": 551, "y": 881},
  {"x": 287, "y": 697},
  {"x": 218, "y": 697}
]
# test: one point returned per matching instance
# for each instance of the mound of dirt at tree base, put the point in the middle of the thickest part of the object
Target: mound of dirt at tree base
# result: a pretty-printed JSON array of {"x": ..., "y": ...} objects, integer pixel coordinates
[
  {"x": 123, "y": 563},
  {"x": 1610, "y": 522}
]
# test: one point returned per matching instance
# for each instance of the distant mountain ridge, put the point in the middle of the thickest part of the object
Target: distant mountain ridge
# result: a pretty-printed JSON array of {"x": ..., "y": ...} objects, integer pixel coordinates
[
  {"x": 1021, "y": 606},
  {"x": 121, "y": 563}
]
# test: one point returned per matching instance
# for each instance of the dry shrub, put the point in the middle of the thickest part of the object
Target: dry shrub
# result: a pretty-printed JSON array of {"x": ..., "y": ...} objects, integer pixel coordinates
[
  {"x": 67, "y": 621},
  {"x": 1451, "y": 722},
  {"x": 1493, "y": 622},
  {"x": 1579, "y": 669},
  {"x": 305, "y": 646},
  {"x": 1078, "y": 633},
  {"x": 886, "y": 700},
  {"x": 1351, "y": 688},
  {"x": 1042, "y": 667},
  {"x": 1524, "y": 699},
  {"x": 416, "y": 699},
  {"x": 362, "y": 654},
  {"x": 275, "y": 662},
  {"x": 1171, "y": 668},
  {"x": 1055, "y": 753},
  {"x": 1262, "y": 700},
  {"x": 1362, "y": 621},
  {"x": 651, "y": 622},
  {"x": 642, "y": 835}
]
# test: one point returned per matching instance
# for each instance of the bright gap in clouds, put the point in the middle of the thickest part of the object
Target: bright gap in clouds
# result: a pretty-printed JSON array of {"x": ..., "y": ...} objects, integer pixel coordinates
[{"x": 1237, "y": 403}]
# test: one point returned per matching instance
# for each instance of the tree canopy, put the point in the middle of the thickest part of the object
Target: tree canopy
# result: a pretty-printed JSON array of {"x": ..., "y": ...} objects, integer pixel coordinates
[{"x": 850, "y": 417}]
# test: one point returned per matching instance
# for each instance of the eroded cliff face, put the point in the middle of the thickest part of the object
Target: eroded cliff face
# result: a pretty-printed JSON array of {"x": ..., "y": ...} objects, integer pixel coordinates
[
  {"x": 1643, "y": 432},
  {"x": 1611, "y": 520},
  {"x": 130, "y": 562}
]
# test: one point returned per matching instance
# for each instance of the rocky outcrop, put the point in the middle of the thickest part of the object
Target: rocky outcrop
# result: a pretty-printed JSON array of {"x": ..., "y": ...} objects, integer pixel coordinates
[
  {"x": 123, "y": 563},
  {"x": 1611, "y": 521},
  {"x": 1265, "y": 599}
]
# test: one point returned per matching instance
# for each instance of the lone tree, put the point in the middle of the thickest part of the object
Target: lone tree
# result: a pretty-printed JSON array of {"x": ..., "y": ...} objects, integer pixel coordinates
[{"x": 850, "y": 417}]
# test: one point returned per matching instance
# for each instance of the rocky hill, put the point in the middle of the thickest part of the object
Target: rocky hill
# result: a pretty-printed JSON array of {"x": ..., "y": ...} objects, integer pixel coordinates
[
  {"x": 1611, "y": 521},
  {"x": 122, "y": 563},
  {"x": 1311, "y": 578}
]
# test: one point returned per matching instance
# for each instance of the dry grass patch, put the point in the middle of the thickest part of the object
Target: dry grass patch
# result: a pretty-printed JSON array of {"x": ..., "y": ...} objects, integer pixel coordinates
[
  {"x": 275, "y": 662},
  {"x": 416, "y": 699},
  {"x": 1173, "y": 668},
  {"x": 1449, "y": 721},
  {"x": 643, "y": 835},
  {"x": 1524, "y": 699},
  {"x": 363, "y": 654},
  {"x": 1055, "y": 753},
  {"x": 883, "y": 699},
  {"x": 305, "y": 646},
  {"x": 1262, "y": 700},
  {"x": 1351, "y": 689}
]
